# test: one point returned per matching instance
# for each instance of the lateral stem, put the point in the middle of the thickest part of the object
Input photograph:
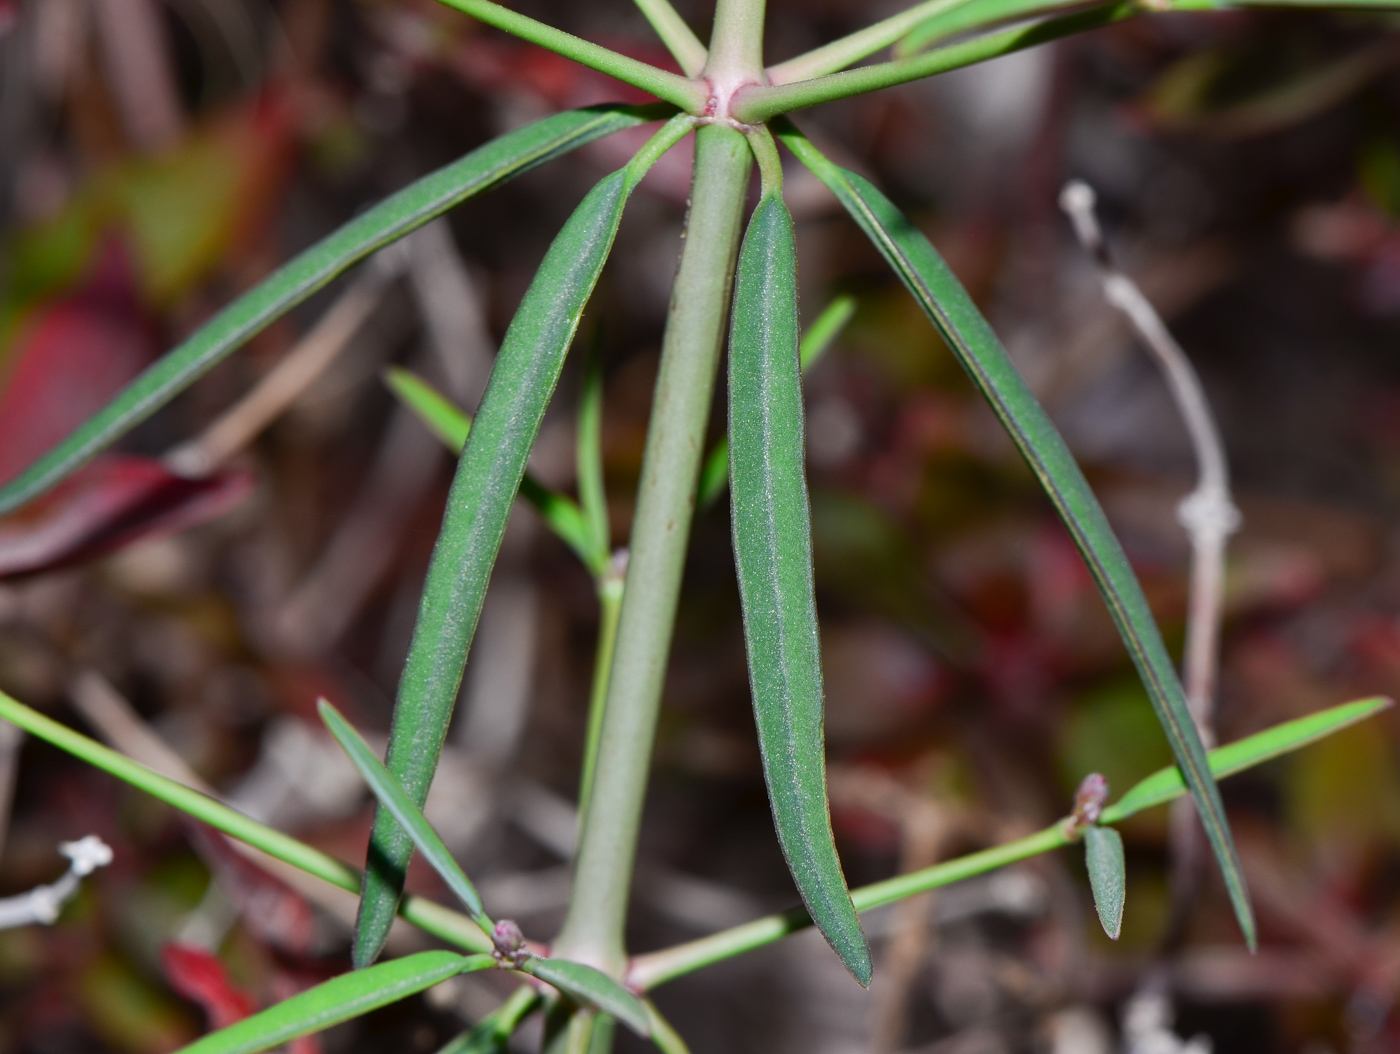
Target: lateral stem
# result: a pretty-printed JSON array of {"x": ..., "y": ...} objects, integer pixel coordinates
[
  {"x": 836, "y": 56},
  {"x": 754, "y": 105},
  {"x": 688, "y": 94},
  {"x": 680, "y": 40}
]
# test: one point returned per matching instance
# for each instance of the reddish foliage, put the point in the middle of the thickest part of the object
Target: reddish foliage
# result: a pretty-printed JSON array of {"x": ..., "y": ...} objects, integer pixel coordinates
[{"x": 199, "y": 976}]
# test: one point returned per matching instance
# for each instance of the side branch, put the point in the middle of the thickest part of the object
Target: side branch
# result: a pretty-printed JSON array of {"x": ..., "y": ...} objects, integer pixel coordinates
[
  {"x": 689, "y": 95},
  {"x": 678, "y": 37},
  {"x": 757, "y": 104}
]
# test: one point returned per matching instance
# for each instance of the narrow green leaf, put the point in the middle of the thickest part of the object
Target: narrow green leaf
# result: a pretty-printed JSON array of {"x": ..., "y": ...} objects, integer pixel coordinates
[
  {"x": 491, "y": 1035},
  {"x": 483, "y": 169},
  {"x": 447, "y": 925},
  {"x": 980, "y": 353},
  {"x": 1103, "y": 854},
  {"x": 391, "y": 795},
  {"x": 714, "y": 474},
  {"x": 339, "y": 999},
  {"x": 591, "y": 987},
  {"x": 589, "y": 456},
  {"x": 772, "y": 527},
  {"x": 439, "y": 414},
  {"x": 488, "y": 475},
  {"x": 450, "y": 424},
  {"x": 1165, "y": 784}
]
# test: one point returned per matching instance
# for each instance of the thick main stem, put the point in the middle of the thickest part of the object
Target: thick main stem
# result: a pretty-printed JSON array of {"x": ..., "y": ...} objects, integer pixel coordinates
[{"x": 593, "y": 927}]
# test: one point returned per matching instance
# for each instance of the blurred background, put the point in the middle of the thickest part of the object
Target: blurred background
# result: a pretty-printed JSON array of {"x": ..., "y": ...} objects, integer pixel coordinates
[{"x": 157, "y": 157}]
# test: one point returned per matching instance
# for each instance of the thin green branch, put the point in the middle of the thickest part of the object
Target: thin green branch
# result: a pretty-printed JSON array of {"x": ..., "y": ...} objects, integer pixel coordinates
[
  {"x": 770, "y": 165},
  {"x": 689, "y": 95},
  {"x": 679, "y": 38},
  {"x": 830, "y": 58},
  {"x": 657, "y": 968},
  {"x": 755, "y": 105},
  {"x": 593, "y": 927},
  {"x": 610, "y": 585},
  {"x": 441, "y": 922}
]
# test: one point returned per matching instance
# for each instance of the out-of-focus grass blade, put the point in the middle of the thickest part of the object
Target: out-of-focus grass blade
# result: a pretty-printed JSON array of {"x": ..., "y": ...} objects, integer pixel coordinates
[
  {"x": 1166, "y": 784},
  {"x": 410, "y": 817},
  {"x": 1103, "y": 853},
  {"x": 714, "y": 474},
  {"x": 491, "y": 1035},
  {"x": 486, "y": 167},
  {"x": 591, "y": 987},
  {"x": 772, "y": 527},
  {"x": 489, "y": 473},
  {"x": 589, "y": 456},
  {"x": 337, "y": 1000},
  {"x": 450, "y": 424},
  {"x": 976, "y": 14},
  {"x": 980, "y": 353}
]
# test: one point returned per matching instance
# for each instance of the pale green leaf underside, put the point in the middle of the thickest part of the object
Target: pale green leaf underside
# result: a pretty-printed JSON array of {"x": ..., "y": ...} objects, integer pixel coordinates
[
  {"x": 980, "y": 353},
  {"x": 489, "y": 473},
  {"x": 1103, "y": 855},
  {"x": 592, "y": 987},
  {"x": 399, "y": 214},
  {"x": 337, "y": 1000},
  {"x": 771, "y": 522}
]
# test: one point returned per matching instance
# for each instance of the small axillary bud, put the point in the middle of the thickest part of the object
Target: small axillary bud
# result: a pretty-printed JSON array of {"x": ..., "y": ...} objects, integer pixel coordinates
[
  {"x": 1089, "y": 801},
  {"x": 509, "y": 943}
]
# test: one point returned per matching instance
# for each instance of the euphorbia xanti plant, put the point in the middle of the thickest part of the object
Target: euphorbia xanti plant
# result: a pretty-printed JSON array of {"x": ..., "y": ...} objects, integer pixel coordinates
[{"x": 737, "y": 278}]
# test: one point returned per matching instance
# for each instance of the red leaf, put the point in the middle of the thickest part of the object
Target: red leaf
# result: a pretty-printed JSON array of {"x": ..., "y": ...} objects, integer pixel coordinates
[
  {"x": 111, "y": 503},
  {"x": 71, "y": 356},
  {"x": 199, "y": 976}
]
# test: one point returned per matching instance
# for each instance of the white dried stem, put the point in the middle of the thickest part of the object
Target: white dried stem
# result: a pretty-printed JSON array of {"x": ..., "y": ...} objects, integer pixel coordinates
[
  {"x": 1208, "y": 513},
  {"x": 42, "y": 904}
]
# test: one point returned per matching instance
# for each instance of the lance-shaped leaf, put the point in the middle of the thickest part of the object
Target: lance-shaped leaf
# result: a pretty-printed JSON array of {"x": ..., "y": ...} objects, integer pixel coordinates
[
  {"x": 452, "y": 425},
  {"x": 337, "y": 1000},
  {"x": 1103, "y": 854},
  {"x": 714, "y": 475},
  {"x": 591, "y": 987},
  {"x": 410, "y": 817},
  {"x": 1166, "y": 784},
  {"x": 980, "y": 353},
  {"x": 488, "y": 476},
  {"x": 772, "y": 526},
  {"x": 484, "y": 168}
]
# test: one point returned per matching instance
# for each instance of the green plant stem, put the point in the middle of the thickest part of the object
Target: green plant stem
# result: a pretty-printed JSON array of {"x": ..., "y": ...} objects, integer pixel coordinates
[
  {"x": 681, "y": 91},
  {"x": 757, "y": 104},
  {"x": 648, "y": 971},
  {"x": 450, "y": 926},
  {"x": 679, "y": 38},
  {"x": 593, "y": 927},
  {"x": 610, "y": 589},
  {"x": 829, "y": 58},
  {"x": 736, "y": 48}
]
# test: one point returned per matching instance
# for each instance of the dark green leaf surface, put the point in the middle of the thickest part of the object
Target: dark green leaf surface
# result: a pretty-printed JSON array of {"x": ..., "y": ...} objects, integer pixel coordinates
[
  {"x": 483, "y": 169},
  {"x": 1166, "y": 784},
  {"x": 591, "y": 987},
  {"x": 442, "y": 417},
  {"x": 714, "y": 474},
  {"x": 1103, "y": 854},
  {"x": 488, "y": 475},
  {"x": 391, "y": 795},
  {"x": 337, "y": 1000},
  {"x": 977, "y": 348},
  {"x": 772, "y": 527}
]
